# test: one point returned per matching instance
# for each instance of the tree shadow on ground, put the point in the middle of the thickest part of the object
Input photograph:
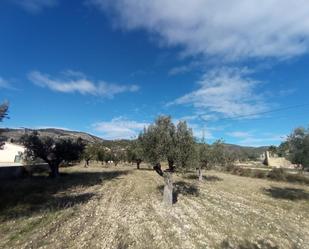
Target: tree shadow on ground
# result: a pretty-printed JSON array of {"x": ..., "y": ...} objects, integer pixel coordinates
[
  {"x": 38, "y": 194},
  {"x": 293, "y": 194},
  {"x": 145, "y": 169},
  {"x": 208, "y": 178},
  {"x": 183, "y": 188},
  {"x": 261, "y": 244}
]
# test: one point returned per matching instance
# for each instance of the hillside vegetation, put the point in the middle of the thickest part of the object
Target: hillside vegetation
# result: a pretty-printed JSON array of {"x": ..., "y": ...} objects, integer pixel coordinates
[{"x": 15, "y": 135}]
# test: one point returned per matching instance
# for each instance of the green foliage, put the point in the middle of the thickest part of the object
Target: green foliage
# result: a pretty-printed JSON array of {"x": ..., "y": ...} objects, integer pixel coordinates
[
  {"x": 277, "y": 174},
  {"x": 162, "y": 141},
  {"x": 186, "y": 152},
  {"x": 53, "y": 152},
  {"x": 273, "y": 150},
  {"x": 3, "y": 114},
  {"x": 3, "y": 110},
  {"x": 135, "y": 152},
  {"x": 298, "y": 147},
  {"x": 101, "y": 153},
  {"x": 283, "y": 149},
  {"x": 158, "y": 140},
  {"x": 204, "y": 156},
  {"x": 91, "y": 152}
]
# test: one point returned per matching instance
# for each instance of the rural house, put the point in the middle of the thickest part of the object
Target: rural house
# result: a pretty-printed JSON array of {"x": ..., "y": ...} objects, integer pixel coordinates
[{"x": 11, "y": 153}]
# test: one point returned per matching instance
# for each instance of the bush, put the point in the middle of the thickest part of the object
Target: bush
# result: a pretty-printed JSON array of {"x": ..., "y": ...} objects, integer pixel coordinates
[
  {"x": 259, "y": 173},
  {"x": 297, "y": 178},
  {"x": 277, "y": 174}
]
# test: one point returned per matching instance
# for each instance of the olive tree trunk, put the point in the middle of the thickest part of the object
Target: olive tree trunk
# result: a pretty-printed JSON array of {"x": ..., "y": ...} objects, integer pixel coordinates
[
  {"x": 54, "y": 169},
  {"x": 168, "y": 188},
  {"x": 200, "y": 174}
]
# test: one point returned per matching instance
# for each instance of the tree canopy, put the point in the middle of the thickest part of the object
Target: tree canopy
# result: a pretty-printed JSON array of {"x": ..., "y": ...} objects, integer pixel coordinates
[
  {"x": 3, "y": 114},
  {"x": 163, "y": 141},
  {"x": 298, "y": 147},
  {"x": 52, "y": 151}
]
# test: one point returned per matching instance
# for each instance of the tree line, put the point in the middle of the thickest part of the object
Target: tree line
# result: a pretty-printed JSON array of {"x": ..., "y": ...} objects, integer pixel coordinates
[{"x": 160, "y": 142}]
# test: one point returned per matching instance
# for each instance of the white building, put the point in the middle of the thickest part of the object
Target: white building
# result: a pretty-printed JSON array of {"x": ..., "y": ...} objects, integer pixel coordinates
[{"x": 11, "y": 153}]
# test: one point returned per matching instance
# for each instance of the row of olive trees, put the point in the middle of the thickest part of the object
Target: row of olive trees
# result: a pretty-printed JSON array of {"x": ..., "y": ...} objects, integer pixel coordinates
[{"x": 101, "y": 153}]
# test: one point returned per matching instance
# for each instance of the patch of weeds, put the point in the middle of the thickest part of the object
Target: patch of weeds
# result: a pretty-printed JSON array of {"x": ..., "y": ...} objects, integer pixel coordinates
[
  {"x": 277, "y": 174},
  {"x": 293, "y": 194}
]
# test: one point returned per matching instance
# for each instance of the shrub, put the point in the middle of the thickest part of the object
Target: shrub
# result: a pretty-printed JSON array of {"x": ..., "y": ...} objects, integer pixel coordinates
[
  {"x": 259, "y": 173},
  {"x": 277, "y": 174},
  {"x": 297, "y": 178}
]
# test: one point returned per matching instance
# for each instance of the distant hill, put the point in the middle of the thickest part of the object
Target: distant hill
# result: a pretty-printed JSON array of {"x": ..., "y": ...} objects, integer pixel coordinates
[
  {"x": 14, "y": 135},
  {"x": 247, "y": 149}
]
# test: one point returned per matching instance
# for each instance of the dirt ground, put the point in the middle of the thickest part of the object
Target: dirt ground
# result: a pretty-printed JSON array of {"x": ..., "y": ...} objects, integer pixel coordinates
[{"x": 124, "y": 209}]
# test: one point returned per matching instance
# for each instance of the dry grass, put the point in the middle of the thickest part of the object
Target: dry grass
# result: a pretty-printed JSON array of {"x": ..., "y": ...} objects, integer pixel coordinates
[{"x": 120, "y": 207}]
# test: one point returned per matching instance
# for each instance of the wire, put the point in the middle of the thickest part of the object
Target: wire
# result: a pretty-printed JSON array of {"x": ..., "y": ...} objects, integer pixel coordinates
[{"x": 258, "y": 113}]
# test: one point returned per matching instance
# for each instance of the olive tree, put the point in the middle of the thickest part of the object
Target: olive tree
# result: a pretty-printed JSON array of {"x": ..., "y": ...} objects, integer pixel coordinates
[
  {"x": 204, "y": 158},
  {"x": 162, "y": 141},
  {"x": 101, "y": 154},
  {"x": 135, "y": 153},
  {"x": 186, "y": 150},
  {"x": 3, "y": 114},
  {"x": 52, "y": 151},
  {"x": 90, "y": 153},
  {"x": 298, "y": 147}
]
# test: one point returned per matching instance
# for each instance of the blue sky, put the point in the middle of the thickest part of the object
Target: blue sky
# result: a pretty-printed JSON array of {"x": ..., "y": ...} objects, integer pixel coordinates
[{"x": 236, "y": 70}]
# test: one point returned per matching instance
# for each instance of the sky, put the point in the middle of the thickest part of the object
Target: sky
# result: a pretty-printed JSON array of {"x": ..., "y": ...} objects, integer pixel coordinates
[{"x": 234, "y": 70}]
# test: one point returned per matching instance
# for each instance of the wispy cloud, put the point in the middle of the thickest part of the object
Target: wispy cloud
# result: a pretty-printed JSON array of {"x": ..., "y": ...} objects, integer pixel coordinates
[
  {"x": 233, "y": 30},
  {"x": 252, "y": 138},
  {"x": 71, "y": 81},
  {"x": 229, "y": 92},
  {"x": 179, "y": 70},
  {"x": 35, "y": 6},
  {"x": 239, "y": 134},
  {"x": 119, "y": 128},
  {"x": 4, "y": 83},
  {"x": 43, "y": 127}
]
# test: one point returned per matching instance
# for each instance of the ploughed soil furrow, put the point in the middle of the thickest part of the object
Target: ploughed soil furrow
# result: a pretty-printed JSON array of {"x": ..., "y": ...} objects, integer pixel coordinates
[{"x": 126, "y": 211}]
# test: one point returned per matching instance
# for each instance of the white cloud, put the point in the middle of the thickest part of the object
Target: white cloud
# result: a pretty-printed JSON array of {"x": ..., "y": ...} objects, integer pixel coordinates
[
  {"x": 239, "y": 134},
  {"x": 179, "y": 70},
  {"x": 43, "y": 127},
  {"x": 119, "y": 128},
  {"x": 4, "y": 83},
  {"x": 233, "y": 30},
  {"x": 226, "y": 91},
  {"x": 251, "y": 138},
  {"x": 72, "y": 81},
  {"x": 35, "y": 6}
]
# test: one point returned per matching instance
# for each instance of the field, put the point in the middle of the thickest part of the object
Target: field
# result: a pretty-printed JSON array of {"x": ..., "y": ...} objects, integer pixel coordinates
[{"x": 121, "y": 207}]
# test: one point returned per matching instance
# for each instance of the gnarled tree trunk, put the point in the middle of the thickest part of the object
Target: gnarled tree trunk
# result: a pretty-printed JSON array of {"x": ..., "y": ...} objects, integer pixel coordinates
[
  {"x": 168, "y": 188},
  {"x": 171, "y": 165},
  {"x": 86, "y": 163},
  {"x": 54, "y": 169},
  {"x": 138, "y": 163},
  {"x": 200, "y": 174}
]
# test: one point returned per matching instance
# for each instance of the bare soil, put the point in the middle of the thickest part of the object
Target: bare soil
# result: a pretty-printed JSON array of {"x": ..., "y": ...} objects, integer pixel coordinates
[{"x": 122, "y": 208}]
